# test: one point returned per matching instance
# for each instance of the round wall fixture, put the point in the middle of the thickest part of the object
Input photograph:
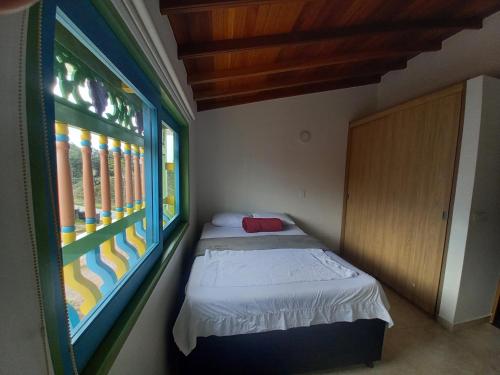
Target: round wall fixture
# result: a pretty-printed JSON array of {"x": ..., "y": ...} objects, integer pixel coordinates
[{"x": 305, "y": 136}]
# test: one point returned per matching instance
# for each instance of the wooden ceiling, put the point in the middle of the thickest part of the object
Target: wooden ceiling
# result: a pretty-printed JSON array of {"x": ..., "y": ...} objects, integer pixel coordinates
[{"x": 241, "y": 51}]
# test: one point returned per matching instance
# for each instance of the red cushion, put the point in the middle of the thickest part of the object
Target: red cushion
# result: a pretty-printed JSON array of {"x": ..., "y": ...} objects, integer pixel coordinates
[{"x": 254, "y": 225}]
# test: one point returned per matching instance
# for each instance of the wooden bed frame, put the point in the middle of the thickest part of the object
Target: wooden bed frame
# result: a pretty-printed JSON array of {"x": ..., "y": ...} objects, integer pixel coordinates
[{"x": 295, "y": 350}]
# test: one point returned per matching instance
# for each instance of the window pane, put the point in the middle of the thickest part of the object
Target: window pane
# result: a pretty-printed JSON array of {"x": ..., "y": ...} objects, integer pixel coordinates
[
  {"x": 170, "y": 177},
  {"x": 99, "y": 139}
]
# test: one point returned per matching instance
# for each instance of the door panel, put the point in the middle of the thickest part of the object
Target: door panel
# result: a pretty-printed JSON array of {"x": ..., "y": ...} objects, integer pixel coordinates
[{"x": 400, "y": 178}]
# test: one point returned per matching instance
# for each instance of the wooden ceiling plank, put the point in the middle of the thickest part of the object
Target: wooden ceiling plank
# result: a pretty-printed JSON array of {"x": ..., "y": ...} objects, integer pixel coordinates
[
  {"x": 311, "y": 63},
  {"x": 210, "y": 48},
  {"x": 204, "y": 105},
  {"x": 168, "y": 7},
  {"x": 292, "y": 82}
]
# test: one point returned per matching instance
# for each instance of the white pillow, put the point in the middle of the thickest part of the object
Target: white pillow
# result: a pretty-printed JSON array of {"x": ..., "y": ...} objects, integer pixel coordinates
[
  {"x": 228, "y": 219},
  {"x": 283, "y": 217}
]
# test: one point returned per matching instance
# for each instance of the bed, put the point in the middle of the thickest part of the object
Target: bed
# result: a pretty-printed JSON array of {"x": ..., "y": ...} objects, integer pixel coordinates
[{"x": 285, "y": 319}]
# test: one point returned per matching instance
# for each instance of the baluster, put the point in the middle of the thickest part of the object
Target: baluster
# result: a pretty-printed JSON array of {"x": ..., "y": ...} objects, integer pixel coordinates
[
  {"x": 164, "y": 174},
  {"x": 129, "y": 192},
  {"x": 73, "y": 277},
  {"x": 137, "y": 178},
  {"x": 64, "y": 185},
  {"x": 164, "y": 177},
  {"x": 105, "y": 188},
  {"x": 170, "y": 200},
  {"x": 143, "y": 185},
  {"x": 132, "y": 237},
  {"x": 107, "y": 248},
  {"x": 138, "y": 190},
  {"x": 121, "y": 240},
  {"x": 88, "y": 182},
  {"x": 93, "y": 256},
  {"x": 143, "y": 180},
  {"x": 118, "y": 179}
]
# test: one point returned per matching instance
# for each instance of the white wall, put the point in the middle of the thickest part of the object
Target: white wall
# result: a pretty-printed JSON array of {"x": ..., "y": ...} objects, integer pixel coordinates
[
  {"x": 473, "y": 259},
  {"x": 22, "y": 332},
  {"x": 462, "y": 202},
  {"x": 481, "y": 266},
  {"x": 465, "y": 55},
  {"x": 249, "y": 157}
]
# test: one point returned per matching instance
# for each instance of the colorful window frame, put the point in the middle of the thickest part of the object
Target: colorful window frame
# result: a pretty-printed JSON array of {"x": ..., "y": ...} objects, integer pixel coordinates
[{"x": 88, "y": 25}]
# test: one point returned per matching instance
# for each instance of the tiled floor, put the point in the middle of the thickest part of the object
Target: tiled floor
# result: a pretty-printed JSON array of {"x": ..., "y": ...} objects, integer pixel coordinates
[{"x": 419, "y": 345}]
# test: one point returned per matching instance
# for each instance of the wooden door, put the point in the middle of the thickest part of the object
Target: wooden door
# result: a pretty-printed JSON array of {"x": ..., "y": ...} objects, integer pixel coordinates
[{"x": 399, "y": 183}]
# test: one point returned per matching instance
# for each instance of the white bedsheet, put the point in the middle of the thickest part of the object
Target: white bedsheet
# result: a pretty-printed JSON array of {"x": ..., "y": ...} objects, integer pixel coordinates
[
  {"x": 211, "y": 231},
  {"x": 233, "y": 310},
  {"x": 271, "y": 267}
]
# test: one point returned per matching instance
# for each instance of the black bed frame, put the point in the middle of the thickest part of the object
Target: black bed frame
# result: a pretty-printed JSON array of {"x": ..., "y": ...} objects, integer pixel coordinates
[{"x": 295, "y": 350}]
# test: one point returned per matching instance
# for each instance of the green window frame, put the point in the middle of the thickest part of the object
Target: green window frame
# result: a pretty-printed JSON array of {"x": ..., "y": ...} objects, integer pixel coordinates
[{"x": 96, "y": 353}]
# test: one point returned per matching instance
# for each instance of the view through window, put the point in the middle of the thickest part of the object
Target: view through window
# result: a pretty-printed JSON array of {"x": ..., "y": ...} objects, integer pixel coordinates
[
  {"x": 102, "y": 196},
  {"x": 170, "y": 174}
]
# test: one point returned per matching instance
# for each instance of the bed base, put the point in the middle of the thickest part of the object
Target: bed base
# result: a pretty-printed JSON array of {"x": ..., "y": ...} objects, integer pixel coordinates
[{"x": 295, "y": 350}]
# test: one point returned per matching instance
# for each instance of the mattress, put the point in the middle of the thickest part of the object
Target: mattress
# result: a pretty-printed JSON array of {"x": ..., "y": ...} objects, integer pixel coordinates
[
  {"x": 211, "y": 231},
  {"x": 234, "y": 310}
]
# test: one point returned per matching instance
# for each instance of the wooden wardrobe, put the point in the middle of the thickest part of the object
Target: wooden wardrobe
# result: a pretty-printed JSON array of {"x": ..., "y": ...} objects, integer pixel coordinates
[{"x": 399, "y": 183}]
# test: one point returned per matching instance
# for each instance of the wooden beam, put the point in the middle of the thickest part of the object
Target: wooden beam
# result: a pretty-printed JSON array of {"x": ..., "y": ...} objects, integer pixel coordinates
[
  {"x": 303, "y": 64},
  {"x": 205, "y": 105},
  {"x": 292, "y": 82},
  {"x": 191, "y": 6},
  {"x": 210, "y": 48}
]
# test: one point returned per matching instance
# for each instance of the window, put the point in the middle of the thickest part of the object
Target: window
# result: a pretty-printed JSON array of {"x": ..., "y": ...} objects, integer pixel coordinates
[
  {"x": 102, "y": 196},
  {"x": 170, "y": 174},
  {"x": 102, "y": 163},
  {"x": 103, "y": 137}
]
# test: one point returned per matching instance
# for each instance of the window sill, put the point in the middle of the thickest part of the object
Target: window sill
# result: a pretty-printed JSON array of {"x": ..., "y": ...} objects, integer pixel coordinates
[{"x": 108, "y": 350}]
